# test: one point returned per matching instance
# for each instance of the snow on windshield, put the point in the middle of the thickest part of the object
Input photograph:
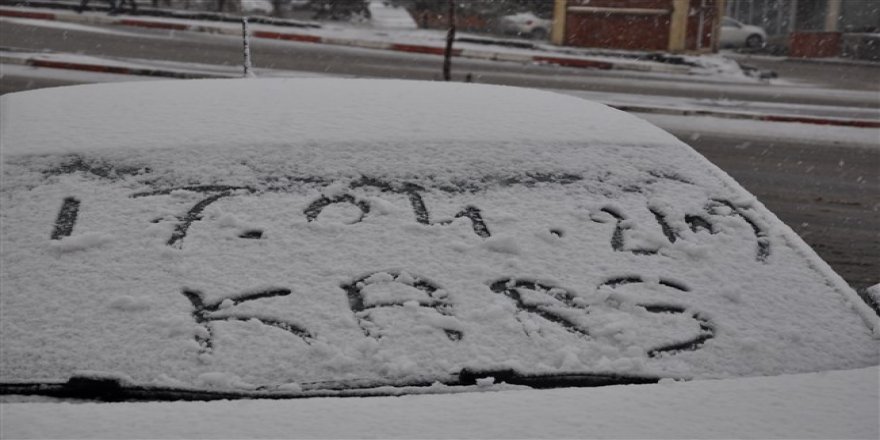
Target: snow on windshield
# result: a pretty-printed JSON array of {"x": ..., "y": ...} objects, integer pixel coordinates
[{"x": 287, "y": 234}]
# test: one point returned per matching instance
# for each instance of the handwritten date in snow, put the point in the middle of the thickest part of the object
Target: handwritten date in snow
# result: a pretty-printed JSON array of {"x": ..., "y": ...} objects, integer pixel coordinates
[{"x": 68, "y": 215}]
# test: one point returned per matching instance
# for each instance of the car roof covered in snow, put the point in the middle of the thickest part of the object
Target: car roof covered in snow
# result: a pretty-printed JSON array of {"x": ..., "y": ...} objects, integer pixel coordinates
[
  {"x": 223, "y": 113},
  {"x": 322, "y": 237}
]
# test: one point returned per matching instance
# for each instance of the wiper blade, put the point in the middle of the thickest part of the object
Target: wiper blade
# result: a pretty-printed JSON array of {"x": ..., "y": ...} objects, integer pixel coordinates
[{"x": 109, "y": 389}]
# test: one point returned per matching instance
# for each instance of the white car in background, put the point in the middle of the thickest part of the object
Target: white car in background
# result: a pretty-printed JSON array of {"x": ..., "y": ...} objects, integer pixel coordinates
[
  {"x": 263, "y": 7},
  {"x": 448, "y": 251},
  {"x": 526, "y": 24},
  {"x": 737, "y": 34}
]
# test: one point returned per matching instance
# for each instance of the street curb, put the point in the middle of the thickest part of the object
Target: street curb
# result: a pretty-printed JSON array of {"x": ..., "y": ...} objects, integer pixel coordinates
[
  {"x": 745, "y": 58},
  {"x": 835, "y": 62},
  {"x": 858, "y": 123},
  {"x": 580, "y": 63},
  {"x": 103, "y": 68},
  {"x": 115, "y": 69},
  {"x": 27, "y": 14}
]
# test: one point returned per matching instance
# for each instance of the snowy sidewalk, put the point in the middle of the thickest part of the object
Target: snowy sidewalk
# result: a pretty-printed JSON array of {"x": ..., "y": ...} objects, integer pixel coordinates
[{"x": 743, "y": 110}]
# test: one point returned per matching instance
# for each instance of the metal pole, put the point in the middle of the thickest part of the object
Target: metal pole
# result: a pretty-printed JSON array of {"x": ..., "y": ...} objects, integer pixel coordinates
[
  {"x": 778, "y": 17},
  {"x": 701, "y": 24},
  {"x": 247, "y": 48},
  {"x": 450, "y": 37}
]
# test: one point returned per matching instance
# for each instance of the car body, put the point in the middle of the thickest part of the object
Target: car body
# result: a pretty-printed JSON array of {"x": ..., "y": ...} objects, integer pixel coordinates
[
  {"x": 737, "y": 34},
  {"x": 257, "y": 7},
  {"x": 526, "y": 24},
  {"x": 292, "y": 238}
]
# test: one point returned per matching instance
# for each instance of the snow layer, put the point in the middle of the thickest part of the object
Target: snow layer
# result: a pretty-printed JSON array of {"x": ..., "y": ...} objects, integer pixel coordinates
[
  {"x": 287, "y": 111},
  {"x": 728, "y": 105},
  {"x": 836, "y": 404},
  {"x": 261, "y": 233},
  {"x": 808, "y": 134},
  {"x": 389, "y": 17}
]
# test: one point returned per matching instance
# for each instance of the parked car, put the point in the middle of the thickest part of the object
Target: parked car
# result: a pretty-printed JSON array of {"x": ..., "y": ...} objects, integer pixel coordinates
[
  {"x": 263, "y": 7},
  {"x": 526, "y": 24},
  {"x": 290, "y": 238},
  {"x": 737, "y": 34},
  {"x": 339, "y": 10}
]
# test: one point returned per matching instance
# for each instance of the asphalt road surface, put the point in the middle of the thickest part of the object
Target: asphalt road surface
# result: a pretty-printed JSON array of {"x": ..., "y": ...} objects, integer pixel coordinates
[{"x": 828, "y": 195}]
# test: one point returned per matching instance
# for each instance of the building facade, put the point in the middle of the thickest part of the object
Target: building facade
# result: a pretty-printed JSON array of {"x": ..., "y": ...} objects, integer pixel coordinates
[
  {"x": 653, "y": 25},
  {"x": 782, "y": 17}
]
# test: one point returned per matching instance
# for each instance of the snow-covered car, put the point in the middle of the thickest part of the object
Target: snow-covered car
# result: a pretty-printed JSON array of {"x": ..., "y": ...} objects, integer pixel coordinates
[
  {"x": 737, "y": 34},
  {"x": 525, "y": 24},
  {"x": 257, "y": 7},
  {"x": 288, "y": 238}
]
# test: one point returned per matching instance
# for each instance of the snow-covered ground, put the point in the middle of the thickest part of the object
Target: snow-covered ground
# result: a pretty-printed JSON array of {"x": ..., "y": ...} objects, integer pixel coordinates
[
  {"x": 807, "y": 134},
  {"x": 726, "y": 105},
  {"x": 387, "y": 17}
]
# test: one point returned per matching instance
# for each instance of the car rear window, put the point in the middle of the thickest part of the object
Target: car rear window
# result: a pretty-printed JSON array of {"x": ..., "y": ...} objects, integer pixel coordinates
[{"x": 308, "y": 266}]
